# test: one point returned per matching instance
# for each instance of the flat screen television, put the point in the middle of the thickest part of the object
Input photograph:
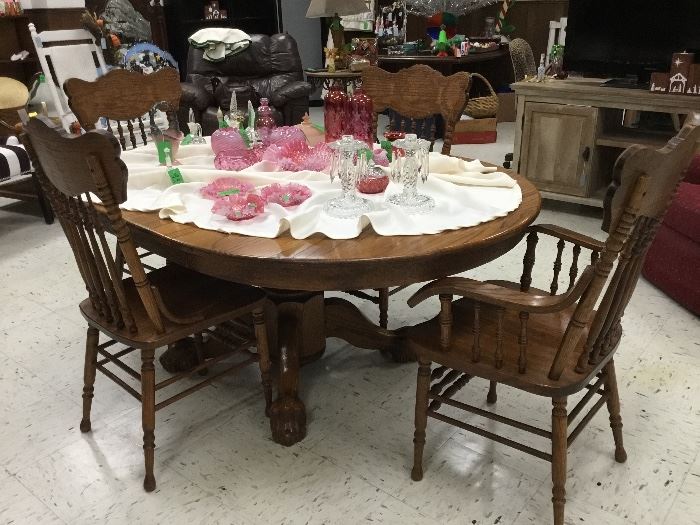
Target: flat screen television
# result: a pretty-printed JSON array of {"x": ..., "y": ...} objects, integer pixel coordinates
[{"x": 629, "y": 38}]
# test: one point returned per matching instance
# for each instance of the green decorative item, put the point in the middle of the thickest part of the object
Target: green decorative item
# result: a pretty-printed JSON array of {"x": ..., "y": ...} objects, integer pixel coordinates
[
  {"x": 386, "y": 146},
  {"x": 443, "y": 45}
]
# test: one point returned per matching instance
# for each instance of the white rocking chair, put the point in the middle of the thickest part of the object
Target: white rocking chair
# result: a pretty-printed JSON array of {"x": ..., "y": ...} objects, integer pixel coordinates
[{"x": 67, "y": 54}]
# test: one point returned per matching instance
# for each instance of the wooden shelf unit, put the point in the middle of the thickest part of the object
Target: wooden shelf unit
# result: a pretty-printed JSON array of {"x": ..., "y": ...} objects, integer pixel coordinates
[{"x": 569, "y": 133}]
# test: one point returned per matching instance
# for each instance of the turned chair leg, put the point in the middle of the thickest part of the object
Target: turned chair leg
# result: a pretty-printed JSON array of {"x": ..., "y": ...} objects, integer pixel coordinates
[
  {"x": 559, "y": 445},
  {"x": 199, "y": 348},
  {"x": 422, "y": 390},
  {"x": 613, "y": 403},
  {"x": 148, "y": 416},
  {"x": 93, "y": 338},
  {"x": 492, "y": 396},
  {"x": 383, "y": 307},
  {"x": 264, "y": 355}
]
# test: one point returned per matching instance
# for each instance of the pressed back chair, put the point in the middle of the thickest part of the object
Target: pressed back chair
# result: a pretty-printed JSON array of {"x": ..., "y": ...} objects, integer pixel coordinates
[
  {"x": 146, "y": 311},
  {"x": 549, "y": 344},
  {"x": 126, "y": 96},
  {"x": 414, "y": 96}
]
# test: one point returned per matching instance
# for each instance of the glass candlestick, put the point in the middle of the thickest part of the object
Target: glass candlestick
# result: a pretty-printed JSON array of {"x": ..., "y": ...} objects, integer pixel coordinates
[
  {"x": 410, "y": 161},
  {"x": 348, "y": 164}
]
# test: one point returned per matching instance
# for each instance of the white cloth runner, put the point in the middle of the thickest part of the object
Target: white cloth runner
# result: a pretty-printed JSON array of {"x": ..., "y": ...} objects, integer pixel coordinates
[{"x": 149, "y": 189}]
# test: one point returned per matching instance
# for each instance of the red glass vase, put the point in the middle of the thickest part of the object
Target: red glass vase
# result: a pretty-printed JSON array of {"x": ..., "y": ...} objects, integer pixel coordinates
[
  {"x": 361, "y": 117},
  {"x": 334, "y": 113}
]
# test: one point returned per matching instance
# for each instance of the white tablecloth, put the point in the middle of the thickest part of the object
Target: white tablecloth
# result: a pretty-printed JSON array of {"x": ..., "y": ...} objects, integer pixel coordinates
[{"x": 149, "y": 189}]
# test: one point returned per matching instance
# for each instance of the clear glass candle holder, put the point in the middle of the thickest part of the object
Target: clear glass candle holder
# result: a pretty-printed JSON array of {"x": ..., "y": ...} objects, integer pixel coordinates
[
  {"x": 409, "y": 163},
  {"x": 348, "y": 164}
]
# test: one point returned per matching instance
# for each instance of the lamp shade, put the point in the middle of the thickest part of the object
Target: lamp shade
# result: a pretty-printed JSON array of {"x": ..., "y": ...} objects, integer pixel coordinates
[{"x": 319, "y": 8}]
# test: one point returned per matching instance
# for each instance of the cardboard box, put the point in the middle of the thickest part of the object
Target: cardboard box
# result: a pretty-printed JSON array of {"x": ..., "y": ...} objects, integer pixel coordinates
[
  {"x": 506, "y": 107},
  {"x": 475, "y": 131}
]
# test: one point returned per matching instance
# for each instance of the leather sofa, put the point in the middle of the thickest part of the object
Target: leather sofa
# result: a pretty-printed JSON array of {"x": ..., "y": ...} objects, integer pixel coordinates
[
  {"x": 673, "y": 260},
  {"x": 269, "y": 68}
]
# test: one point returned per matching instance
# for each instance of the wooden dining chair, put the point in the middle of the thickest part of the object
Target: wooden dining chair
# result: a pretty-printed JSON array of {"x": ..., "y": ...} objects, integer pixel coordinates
[
  {"x": 414, "y": 97},
  {"x": 123, "y": 98},
  {"x": 145, "y": 311},
  {"x": 545, "y": 343}
]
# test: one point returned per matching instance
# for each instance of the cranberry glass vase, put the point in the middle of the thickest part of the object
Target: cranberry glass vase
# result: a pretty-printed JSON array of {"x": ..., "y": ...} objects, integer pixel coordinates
[
  {"x": 334, "y": 113},
  {"x": 265, "y": 118},
  {"x": 361, "y": 117}
]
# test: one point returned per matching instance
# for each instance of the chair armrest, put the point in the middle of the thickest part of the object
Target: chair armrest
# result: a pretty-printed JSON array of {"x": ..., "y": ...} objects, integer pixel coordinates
[
  {"x": 290, "y": 91},
  {"x": 195, "y": 97},
  {"x": 568, "y": 235},
  {"x": 503, "y": 297}
]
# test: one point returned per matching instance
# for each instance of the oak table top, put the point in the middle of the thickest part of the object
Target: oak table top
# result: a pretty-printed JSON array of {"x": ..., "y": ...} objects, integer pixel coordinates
[
  {"x": 319, "y": 263},
  {"x": 296, "y": 272}
]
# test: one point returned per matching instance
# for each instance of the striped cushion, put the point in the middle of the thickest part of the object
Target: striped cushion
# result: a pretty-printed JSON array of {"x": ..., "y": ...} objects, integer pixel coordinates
[{"x": 14, "y": 160}]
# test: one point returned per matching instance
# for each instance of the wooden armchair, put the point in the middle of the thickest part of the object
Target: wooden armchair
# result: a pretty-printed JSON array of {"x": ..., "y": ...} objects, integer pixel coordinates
[
  {"x": 548, "y": 344},
  {"x": 144, "y": 312},
  {"x": 126, "y": 96},
  {"x": 414, "y": 97}
]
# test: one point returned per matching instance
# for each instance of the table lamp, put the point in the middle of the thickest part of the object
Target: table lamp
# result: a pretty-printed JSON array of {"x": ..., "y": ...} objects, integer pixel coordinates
[{"x": 335, "y": 9}]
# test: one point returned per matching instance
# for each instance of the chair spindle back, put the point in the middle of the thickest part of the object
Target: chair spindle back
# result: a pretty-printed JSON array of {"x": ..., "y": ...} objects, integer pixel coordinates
[
  {"x": 646, "y": 181},
  {"x": 417, "y": 94},
  {"x": 71, "y": 171},
  {"x": 108, "y": 97}
]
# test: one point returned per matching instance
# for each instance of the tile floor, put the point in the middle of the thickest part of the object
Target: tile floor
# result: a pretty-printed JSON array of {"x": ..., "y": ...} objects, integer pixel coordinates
[{"x": 215, "y": 462}]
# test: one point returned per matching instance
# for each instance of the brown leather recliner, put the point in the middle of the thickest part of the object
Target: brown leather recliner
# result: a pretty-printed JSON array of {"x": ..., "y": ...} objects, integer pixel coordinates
[{"x": 269, "y": 68}]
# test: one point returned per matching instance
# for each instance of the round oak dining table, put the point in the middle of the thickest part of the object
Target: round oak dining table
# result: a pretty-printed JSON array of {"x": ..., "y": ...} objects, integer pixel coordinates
[{"x": 296, "y": 273}]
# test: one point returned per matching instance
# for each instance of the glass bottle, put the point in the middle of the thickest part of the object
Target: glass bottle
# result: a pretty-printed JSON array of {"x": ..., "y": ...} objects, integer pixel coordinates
[
  {"x": 334, "y": 112},
  {"x": 265, "y": 118}
]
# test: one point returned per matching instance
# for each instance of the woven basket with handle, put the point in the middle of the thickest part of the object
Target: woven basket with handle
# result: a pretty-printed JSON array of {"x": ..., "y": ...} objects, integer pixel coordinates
[{"x": 483, "y": 107}]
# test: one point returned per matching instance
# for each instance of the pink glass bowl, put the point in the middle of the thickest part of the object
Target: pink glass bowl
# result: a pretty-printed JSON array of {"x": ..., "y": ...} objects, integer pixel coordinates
[
  {"x": 239, "y": 207},
  {"x": 225, "y": 186},
  {"x": 373, "y": 182},
  {"x": 286, "y": 195}
]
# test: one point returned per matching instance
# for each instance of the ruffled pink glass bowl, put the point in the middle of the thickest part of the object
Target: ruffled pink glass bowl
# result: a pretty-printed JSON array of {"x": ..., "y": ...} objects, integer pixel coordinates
[
  {"x": 286, "y": 195},
  {"x": 226, "y": 186},
  {"x": 239, "y": 207}
]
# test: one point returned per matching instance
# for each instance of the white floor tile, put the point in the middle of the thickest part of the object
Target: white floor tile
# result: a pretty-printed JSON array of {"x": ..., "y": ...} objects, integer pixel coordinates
[{"x": 18, "y": 505}]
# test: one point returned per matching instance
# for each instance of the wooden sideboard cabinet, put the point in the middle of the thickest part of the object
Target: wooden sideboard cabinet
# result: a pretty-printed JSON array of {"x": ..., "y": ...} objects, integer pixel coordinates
[{"x": 568, "y": 133}]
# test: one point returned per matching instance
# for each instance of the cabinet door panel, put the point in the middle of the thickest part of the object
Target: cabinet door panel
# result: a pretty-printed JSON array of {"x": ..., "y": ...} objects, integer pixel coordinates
[{"x": 558, "y": 147}]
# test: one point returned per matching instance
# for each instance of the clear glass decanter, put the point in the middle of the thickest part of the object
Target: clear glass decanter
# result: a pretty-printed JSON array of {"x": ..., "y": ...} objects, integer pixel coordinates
[
  {"x": 409, "y": 162},
  {"x": 348, "y": 164}
]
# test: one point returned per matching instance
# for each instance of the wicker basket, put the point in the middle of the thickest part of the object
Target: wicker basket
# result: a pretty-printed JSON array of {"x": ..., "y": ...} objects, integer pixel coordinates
[{"x": 483, "y": 107}]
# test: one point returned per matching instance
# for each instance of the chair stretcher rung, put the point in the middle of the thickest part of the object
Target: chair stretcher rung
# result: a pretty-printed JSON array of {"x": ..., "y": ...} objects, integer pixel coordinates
[
  {"x": 119, "y": 381},
  {"x": 113, "y": 359},
  {"x": 592, "y": 412},
  {"x": 448, "y": 379},
  {"x": 204, "y": 383},
  {"x": 119, "y": 354},
  {"x": 491, "y": 435},
  {"x": 595, "y": 389},
  {"x": 201, "y": 366},
  {"x": 491, "y": 415}
]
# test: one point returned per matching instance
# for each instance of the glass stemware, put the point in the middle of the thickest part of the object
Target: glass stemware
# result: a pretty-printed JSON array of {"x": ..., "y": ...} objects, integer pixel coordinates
[
  {"x": 348, "y": 164},
  {"x": 409, "y": 162}
]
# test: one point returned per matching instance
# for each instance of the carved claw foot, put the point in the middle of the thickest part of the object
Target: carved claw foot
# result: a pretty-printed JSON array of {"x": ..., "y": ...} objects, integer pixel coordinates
[
  {"x": 400, "y": 354},
  {"x": 180, "y": 356},
  {"x": 288, "y": 421}
]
